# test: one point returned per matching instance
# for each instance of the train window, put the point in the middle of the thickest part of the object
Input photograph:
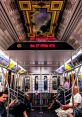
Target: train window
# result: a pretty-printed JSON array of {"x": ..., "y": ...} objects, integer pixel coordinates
[
  {"x": 12, "y": 81},
  {"x": 27, "y": 84},
  {"x": 9, "y": 78},
  {"x": 45, "y": 83},
  {"x": 54, "y": 82},
  {"x": 58, "y": 81},
  {"x": 36, "y": 82}
]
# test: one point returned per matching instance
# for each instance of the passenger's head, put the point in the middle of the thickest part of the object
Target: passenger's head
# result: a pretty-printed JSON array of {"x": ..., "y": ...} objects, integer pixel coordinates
[
  {"x": 75, "y": 90},
  {"x": 3, "y": 96}
]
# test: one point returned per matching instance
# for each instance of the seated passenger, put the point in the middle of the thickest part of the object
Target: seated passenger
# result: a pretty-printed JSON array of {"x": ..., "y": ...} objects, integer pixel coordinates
[
  {"x": 3, "y": 99},
  {"x": 54, "y": 105},
  {"x": 67, "y": 110},
  {"x": 18, "y": 109},
  {"x": 28, "y": 102}
]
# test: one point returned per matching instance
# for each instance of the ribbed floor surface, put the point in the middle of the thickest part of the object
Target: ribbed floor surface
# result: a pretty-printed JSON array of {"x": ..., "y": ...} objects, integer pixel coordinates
[{"x": 44, "y": 114}]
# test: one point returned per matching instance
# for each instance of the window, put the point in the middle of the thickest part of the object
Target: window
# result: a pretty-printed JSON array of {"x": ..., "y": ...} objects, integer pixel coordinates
[
  {"x": 27, "y": 84},
  {"x": 45, "y": 83},
  {"x": 36, "y": 82},
  {"x": 54, "y": 82}
]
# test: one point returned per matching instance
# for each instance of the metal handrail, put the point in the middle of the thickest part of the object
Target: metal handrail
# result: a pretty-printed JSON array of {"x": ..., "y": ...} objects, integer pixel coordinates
[
  {"x": 68, "y": 94},
  {"x": 16, "y": 96},
  {"x": 72, "y": 85},
  {"x": 16, "y": 92},
  {"x": 68, "y": 90},
  {"x": 19, "y": 90},
  {"x": 19, "y": 97},
  {"x": 72, "y": 90},
  {"x": 8, "y": 90},
  {"x": 13, "y": 96}
]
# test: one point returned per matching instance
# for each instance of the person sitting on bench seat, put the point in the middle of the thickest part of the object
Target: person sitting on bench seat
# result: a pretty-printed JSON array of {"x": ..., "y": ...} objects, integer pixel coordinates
[
  {"x": 67, "y": 110},
  {"x": 54, "y": 104},
  {"x": 17, "y": 109}
]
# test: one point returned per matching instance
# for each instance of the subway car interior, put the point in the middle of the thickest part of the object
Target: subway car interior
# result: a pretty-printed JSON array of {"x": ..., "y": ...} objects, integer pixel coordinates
[{"x": 40, "y": 58}]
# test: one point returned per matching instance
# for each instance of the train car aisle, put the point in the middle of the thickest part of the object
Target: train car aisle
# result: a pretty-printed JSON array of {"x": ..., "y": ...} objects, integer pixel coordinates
[{"x": 44, "y": 114}]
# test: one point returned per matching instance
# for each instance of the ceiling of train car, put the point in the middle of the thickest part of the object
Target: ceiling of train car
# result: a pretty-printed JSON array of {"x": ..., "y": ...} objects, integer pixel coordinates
[
  {"x": 21, "y": 19},
  {"x": 32, "y": 60}
]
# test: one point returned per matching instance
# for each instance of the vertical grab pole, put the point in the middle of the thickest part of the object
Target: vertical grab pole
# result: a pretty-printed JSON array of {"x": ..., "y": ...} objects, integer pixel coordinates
[
  {"x": 72, "y": 91},
  {"x": 64, "y": 97},
  {"x": 8, "y": 101},
  {"x": 77, "y": 77},
  {"x": 73, "y": 85},
  {"x": 17, "y": 81},
  {"x": 41, "y": 92},
  {"x": 8, "y": 92},
  {"x": 63, "y": 85},
  {"x": 8, "y": 95}
]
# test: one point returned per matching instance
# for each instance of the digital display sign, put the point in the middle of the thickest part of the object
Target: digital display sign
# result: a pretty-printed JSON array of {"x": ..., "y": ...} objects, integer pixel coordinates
[{"x": 40, "y": 46}]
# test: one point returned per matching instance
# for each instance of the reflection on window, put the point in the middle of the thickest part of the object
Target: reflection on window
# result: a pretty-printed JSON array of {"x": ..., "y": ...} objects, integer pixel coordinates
[
  {"x": 36, "y": 82},
  {"x": 45, "y": 83},
  {"x": 54, "y": 83},
  {"x": 27, "y": 84}
]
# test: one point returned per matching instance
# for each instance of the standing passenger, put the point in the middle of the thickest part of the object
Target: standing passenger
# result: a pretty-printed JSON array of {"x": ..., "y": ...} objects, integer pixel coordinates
[
  {"x": 66, "y": 84},
  {"x": 67, "y": 90}
]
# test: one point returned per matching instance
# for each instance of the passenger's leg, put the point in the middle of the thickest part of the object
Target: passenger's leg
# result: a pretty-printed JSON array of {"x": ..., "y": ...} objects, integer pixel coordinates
[{"x": 61, "y": 113}]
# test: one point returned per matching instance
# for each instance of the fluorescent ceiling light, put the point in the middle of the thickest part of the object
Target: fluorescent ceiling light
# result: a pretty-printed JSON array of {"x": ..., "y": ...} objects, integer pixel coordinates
[
  {"x": 11, "y": 61},
  {"x": 3, "y": 54},
  {"x": 80, "y": 52},
  {"x": 68, "y": 61}
]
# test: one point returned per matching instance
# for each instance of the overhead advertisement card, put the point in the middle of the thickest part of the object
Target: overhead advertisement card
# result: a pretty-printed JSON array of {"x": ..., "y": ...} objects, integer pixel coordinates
[{"x": 4, "y": 60}]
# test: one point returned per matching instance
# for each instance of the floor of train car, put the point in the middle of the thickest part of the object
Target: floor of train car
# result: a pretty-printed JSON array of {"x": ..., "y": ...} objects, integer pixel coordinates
[{"x": 42, "y": 114}]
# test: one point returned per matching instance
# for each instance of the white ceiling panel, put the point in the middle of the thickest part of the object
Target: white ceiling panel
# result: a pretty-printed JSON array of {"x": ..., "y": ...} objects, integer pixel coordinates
[{"x": 33, "y": 60}]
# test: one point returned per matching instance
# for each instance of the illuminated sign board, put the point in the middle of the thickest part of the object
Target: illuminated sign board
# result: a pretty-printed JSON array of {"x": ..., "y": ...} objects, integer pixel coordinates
[{"x": 40, "y": 46}]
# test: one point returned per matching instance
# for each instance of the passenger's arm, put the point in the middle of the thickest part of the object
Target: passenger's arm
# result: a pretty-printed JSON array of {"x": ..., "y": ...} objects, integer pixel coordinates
[
  {"x": 25, "y": 114},
  {"x": 51, "y": 105},
  {"x": 11, "y": 104},
  {"x": 67, "y": 106}
]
